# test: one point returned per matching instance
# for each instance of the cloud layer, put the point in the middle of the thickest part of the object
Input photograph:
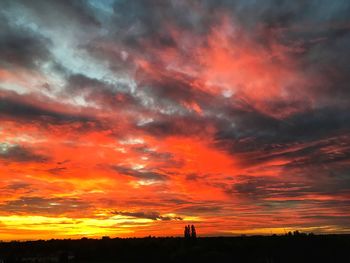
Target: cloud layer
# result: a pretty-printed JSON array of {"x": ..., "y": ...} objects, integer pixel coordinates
[{"x": 132, "y": 118}]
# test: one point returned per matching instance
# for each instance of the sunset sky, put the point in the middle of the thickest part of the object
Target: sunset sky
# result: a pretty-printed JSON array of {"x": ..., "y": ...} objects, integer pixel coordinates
[{"x": 134, "y": 118}]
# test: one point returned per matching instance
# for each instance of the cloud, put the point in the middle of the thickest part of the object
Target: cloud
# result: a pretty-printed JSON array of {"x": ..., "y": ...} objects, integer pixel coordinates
[
  {"x": 106, "y": 95},
  {"x": 49, "y": 12},
  {"x": 166, "y": 156},
  {"x": 17, "y": 185},
  {"x": 57, "y": 170},
  {"x": 148, "y": 215},
  {"x": 261, "y": 138},
  {"x": 234, "y": 113},
  {"x": 42, "y": 205},
  {"x": 18, "y": 153},
  {"x": 22, "y": 47},
  {"x": 200, "y": 209},
  {"x": 16, "y": 109},
  {"x": 139, "y": 173},
  {"x": 291, "y": 187}
]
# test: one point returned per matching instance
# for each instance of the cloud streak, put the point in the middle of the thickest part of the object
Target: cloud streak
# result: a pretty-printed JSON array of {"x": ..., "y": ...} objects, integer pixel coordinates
[{"x": 148, "y": 215}]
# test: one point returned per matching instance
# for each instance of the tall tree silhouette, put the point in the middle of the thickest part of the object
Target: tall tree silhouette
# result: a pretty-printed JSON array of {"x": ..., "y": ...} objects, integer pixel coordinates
[
  {"x": 193, "y": 232},
  {"x": 187, "y": 232}
]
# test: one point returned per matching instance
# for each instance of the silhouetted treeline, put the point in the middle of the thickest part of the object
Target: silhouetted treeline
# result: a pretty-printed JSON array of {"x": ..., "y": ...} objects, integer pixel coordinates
[{"x": 289, "y": 248}]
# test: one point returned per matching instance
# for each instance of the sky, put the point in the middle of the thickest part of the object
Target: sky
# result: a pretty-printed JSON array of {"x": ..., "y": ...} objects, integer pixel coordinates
[{"x": 128, "y": 118}]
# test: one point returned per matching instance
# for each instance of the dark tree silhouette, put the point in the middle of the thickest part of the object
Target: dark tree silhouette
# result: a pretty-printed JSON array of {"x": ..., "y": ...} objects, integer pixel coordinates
[
  {"x": 193, "y": 232},
  {"x": 254, "y": 249},
  {"x": 187, "y": 233}
]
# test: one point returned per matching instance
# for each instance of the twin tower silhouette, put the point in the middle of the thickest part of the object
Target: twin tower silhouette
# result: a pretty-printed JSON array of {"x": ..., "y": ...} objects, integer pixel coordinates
[{"x": 190, "y": 232}]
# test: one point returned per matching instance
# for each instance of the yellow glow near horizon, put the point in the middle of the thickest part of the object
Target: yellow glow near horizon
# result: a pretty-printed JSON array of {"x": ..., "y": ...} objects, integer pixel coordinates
[
  {"x": 24, "y": 227},
  {"x": 69, "y": 227}
]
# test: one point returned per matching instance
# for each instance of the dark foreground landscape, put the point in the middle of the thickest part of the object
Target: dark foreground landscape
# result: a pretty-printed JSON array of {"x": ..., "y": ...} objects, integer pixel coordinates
[{"x": 268, "y": 249}]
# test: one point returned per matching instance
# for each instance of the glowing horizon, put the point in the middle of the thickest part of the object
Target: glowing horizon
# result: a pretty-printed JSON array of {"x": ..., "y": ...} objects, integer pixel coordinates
[{"x": 134, "y": 118}]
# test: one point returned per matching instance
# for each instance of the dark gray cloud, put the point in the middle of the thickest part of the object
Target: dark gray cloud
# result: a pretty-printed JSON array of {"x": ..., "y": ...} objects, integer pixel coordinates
[
  {"x": 201, "y": 209},
  {"x": 265, "y": 187},
  {"x": 148, "y": 151},
  {"x": 15, "y": 187},
  {"x": 292, "y": 185},
  {"x": 301, "y": 137},
  {"x": 16, "y": 109},
  {"x": 106, "y": 95},
  {"x": 56, "y": 13},
  {"x": 332, "y": 212},
  {"x": 18, "y": 185},
  {"x": 21, "y": 47},
  {"x": 315, "y": 124},
  {"x": 165, "y": 201},
  {"x": 139, "y": 173},
  {"x": 57, "y": 170},
  {"x": 147, "y": 215},
  {"x": 18, "y": 153},
  {"x": 137, "y": 20},
  {"x": 43, "y": 205},
  {"x": 177, "y": 125}
]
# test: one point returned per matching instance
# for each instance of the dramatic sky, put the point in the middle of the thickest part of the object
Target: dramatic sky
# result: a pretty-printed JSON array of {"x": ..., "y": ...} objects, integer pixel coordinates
[{"x": 134, "y": 118}]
